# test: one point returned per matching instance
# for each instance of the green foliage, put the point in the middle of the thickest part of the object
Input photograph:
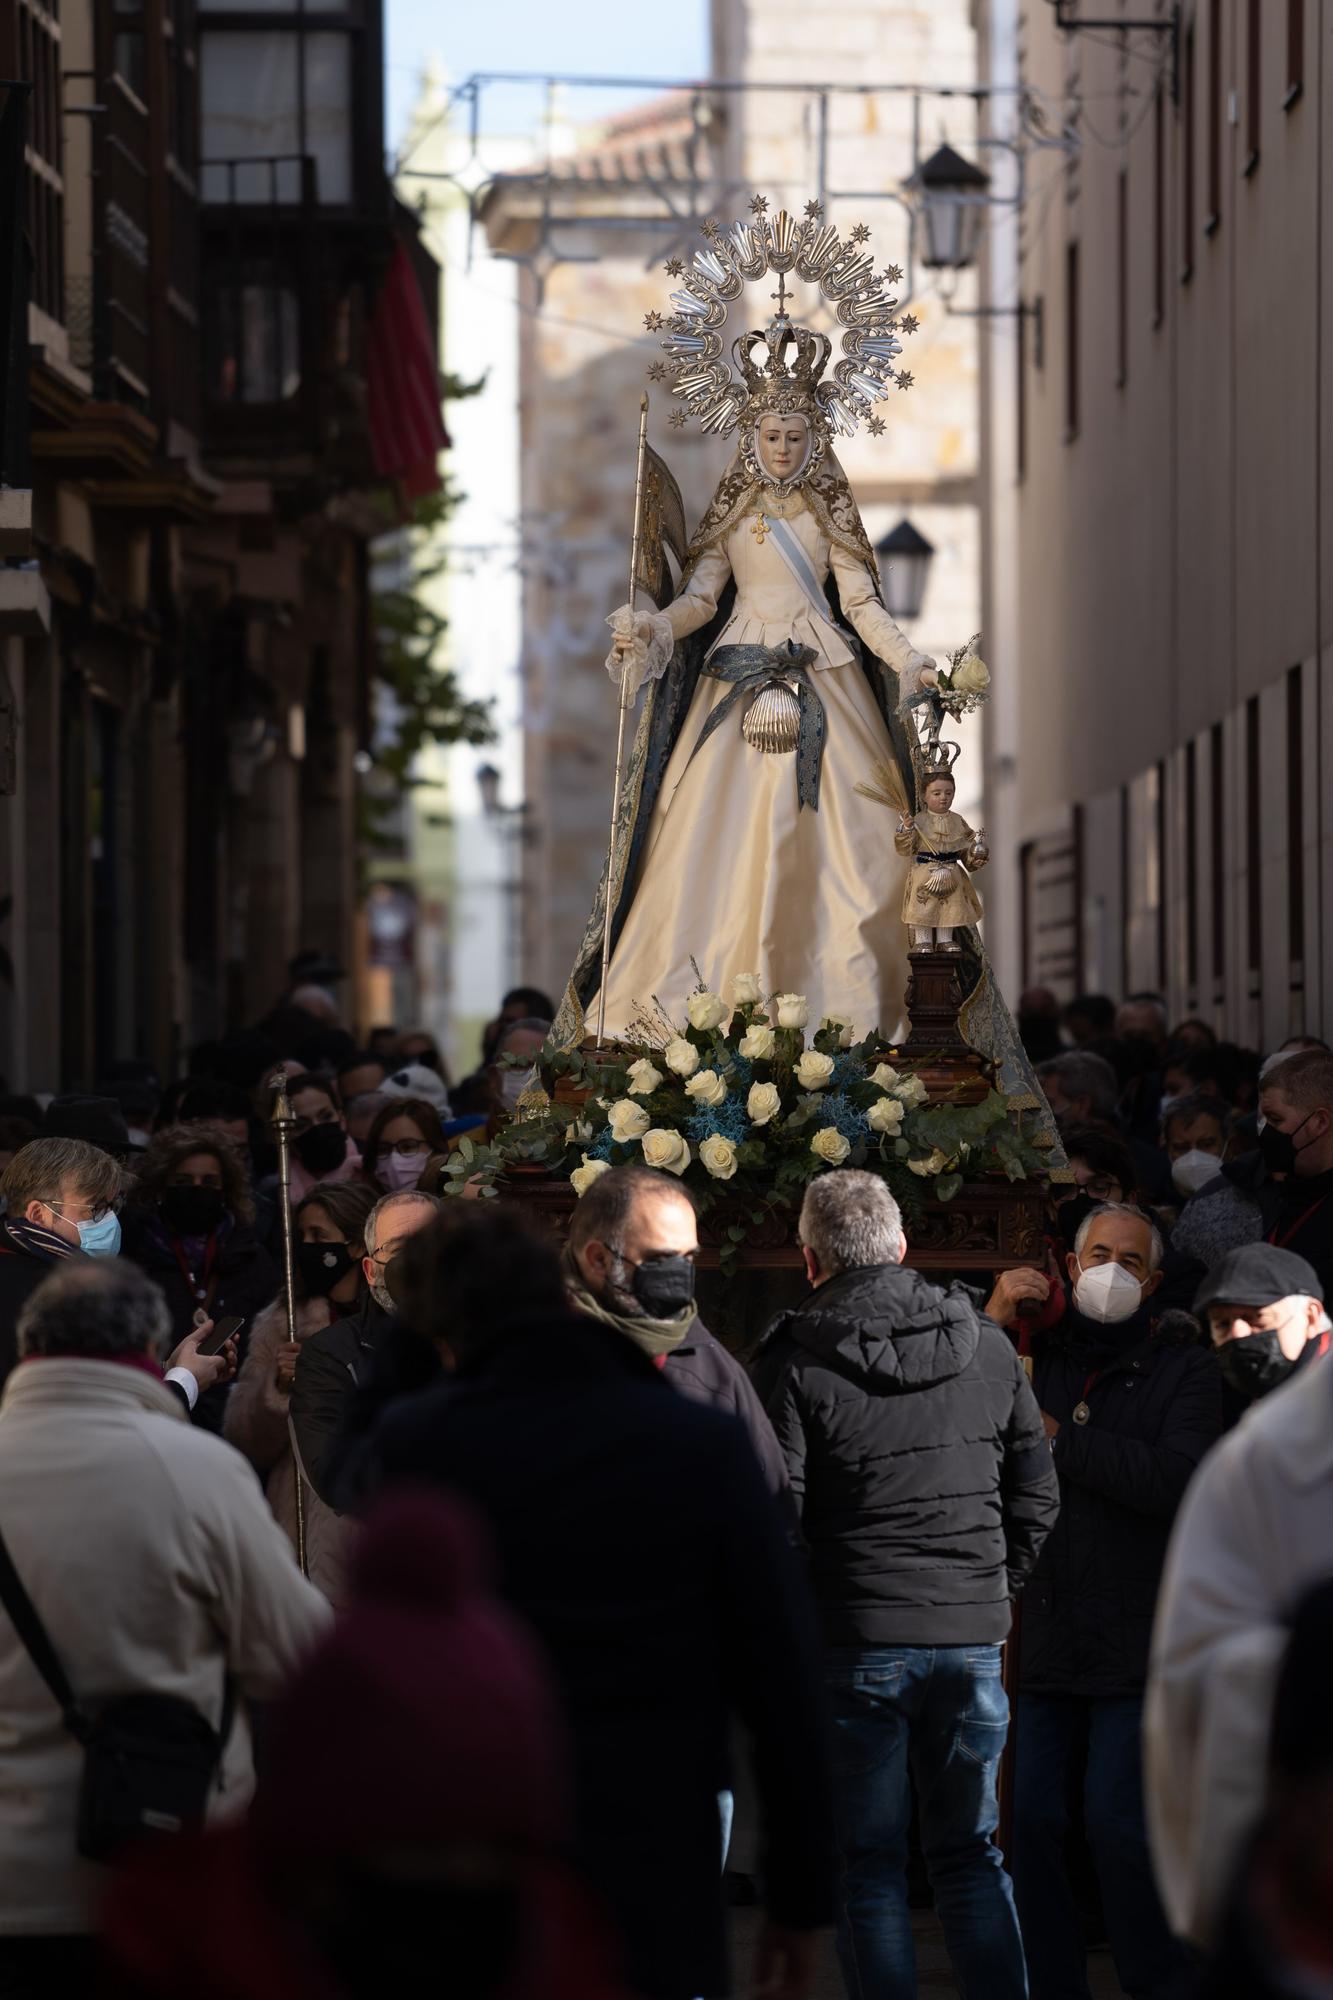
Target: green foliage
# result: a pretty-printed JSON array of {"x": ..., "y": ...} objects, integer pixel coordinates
[{"x": 430, "y": 706}]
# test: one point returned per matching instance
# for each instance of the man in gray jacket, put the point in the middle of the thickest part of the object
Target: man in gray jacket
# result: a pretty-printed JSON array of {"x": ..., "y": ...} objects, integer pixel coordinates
[{"x": 155, "y": 1566}]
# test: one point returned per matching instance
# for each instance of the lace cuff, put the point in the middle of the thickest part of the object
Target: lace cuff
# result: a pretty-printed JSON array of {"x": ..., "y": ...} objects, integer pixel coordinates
[
  {"x": 910, "y": 677},
  {"x": 654, "y": 643}
]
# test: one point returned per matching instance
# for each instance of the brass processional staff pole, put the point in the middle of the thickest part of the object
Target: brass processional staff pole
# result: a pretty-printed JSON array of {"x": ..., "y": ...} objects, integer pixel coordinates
[
  {"x": 284, "y": 1124},
  {"x": 626, "y": 703}
]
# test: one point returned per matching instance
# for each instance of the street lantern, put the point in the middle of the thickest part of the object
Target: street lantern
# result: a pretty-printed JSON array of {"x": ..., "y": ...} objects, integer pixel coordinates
[
  {"x": 952, "y": 196},
  {"x": 488, "y": 784},
  {"x": 905, "y": 557}
]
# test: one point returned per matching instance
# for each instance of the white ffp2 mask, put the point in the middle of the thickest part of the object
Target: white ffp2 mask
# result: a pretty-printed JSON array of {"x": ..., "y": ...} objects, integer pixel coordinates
[
  {"x": 1194, "y": 1170},
  {"x": 1107, "y": 1293}
]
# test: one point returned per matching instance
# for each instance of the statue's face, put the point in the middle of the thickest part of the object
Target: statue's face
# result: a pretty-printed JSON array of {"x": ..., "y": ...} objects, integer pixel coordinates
[
  {"x": 784, "y": 445},
  {"x": 939, "y": 795}
]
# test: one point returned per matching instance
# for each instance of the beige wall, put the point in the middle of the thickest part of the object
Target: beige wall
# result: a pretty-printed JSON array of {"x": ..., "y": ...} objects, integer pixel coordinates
[{"x": 1168, "y": 556}]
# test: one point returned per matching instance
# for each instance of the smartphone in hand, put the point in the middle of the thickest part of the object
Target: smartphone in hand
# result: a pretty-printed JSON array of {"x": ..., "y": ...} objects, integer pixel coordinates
[{"x": 225, "y": 1330}]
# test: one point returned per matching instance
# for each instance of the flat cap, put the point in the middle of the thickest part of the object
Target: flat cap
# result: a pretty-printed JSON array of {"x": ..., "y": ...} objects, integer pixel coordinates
[{"x": 1258, "y": 1274}]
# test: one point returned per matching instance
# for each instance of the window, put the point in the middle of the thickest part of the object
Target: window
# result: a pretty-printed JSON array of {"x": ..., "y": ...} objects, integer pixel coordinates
[
  {"x": 1122, "y": 280},
  {"x": 1295, "y": 52},
  {"x": 1214, "y": 215},
  {"x": 1071, "y": 342},
  {"x": 269, "y": 99},
  {"x": 253, "y": 335},
  {"x": 1253, "y": 85},
  {"x": 1159, "y": 208},
  {"x": 1187, "y": 159}
]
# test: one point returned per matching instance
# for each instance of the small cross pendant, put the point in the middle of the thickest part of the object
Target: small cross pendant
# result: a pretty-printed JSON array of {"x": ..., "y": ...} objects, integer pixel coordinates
[{"x": 759, "y": 528}]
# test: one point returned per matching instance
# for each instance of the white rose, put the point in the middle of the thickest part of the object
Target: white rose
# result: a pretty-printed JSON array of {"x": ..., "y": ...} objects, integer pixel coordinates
[
  {"x": 885, "y": 1115},
  {"x": 719, "y": 1156},
  {"x": 972, "y": 676},
  {"x": 644, "y": 1079},
  {"x": 793, "y": 1010},
  {"x": 830, "y": 1145},
  {"x": 707, "y": 1088},
  {"x": 846, "y": 1033},
  {"x": 628, "y": 1121},
  {"x": 745, "y": 989},
  {"x": 583, "y": 1177},
  {"x": 705, "y": 1009},
  {"x": 681, "y": 1056},
  {"x": 814, "y": 1070},
  {"x": 764, "y": 1103},
  {"x": 886, "y": 1076},
  {"x": 758, "y": 1043},
  {"x": 910, "y": 1091},
  {"x": 665, "y": 1150},
  {"x": 927, "y": 1169}
]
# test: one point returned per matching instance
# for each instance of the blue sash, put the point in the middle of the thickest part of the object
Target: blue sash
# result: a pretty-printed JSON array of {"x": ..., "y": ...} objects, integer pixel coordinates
[{"x": 797, "y": 558}]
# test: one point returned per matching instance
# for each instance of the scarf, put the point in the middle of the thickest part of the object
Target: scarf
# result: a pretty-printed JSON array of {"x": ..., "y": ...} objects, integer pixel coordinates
[
  {"x": 653, "y": 1336},
  {"x": 37, "y": 1241}
]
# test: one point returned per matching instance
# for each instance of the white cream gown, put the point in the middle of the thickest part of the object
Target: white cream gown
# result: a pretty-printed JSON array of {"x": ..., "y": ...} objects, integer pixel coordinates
[{"x": 733, "y": 875}]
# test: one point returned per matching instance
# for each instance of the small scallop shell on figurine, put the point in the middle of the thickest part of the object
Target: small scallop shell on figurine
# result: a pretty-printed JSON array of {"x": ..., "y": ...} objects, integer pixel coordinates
[{"x": 773, "y": 720}]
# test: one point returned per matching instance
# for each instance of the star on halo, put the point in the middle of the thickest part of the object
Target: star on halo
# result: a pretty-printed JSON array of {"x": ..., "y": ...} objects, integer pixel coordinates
[
  {"x": 909, "y": 322},
  {"x": 876, "y": 426},
  {"x": 893, "y": 275},
  {"x": 675, "y": 269},
  {"x": 860, "y": 234},
  {"x": 759, "y": 204},
  {"x": 905, "y": 378},
  {"x": 814, "y": 211},
  {"x": 652, "y": 321},
  {"x": 709, "y": 227},
  {"x": 677, "y": 420},
  {"x": 658, "y": 372}
]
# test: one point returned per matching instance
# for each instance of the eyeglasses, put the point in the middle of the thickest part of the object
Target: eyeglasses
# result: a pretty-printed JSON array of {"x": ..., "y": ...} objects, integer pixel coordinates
[
  {"x": 97, "y": 1210},
  {"x": 406, "y": 1149}
]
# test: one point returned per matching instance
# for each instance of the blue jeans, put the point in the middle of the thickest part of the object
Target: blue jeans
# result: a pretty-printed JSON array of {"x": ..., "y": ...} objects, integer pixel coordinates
[
  {"x": 1150, "y": 1964},
  {"x": 940, "y": 1711}
]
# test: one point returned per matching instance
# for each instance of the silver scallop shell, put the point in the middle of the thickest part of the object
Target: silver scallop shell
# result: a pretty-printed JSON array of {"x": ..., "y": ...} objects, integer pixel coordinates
[{"x": 773, "y": 720}]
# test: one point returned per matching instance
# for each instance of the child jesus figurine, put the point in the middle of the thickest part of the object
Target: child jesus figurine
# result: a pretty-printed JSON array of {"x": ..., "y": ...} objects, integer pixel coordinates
[{"x": 939, "y": 896}]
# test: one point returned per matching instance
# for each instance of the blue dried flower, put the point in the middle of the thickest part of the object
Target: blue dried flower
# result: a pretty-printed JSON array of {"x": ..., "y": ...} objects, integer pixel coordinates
[
  {"x": 838, "y": 1111},
  {"x": 727, "y": 1119},
  {"x": 600, "y": 1149},
  {"x": 847, "y": 1070},
  {"x": 740, "y": 1072}
]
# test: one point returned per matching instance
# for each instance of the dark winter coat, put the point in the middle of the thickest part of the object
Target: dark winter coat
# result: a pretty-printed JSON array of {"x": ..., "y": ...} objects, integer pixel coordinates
[
  {"x": 346, "y": 1374},
  {"x": 635, "y": 1535},
  {"x": 20, "y": 1274},
  {"x": 1155, "y": 1407},
  {"x": 247, "y": 1282},
  {"x": 702, "y": 1369},
  {"x": 917, "y": 1459}
]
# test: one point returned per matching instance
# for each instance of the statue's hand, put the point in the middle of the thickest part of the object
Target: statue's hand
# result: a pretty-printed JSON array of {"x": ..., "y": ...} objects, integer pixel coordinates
[{"x": 641, "y": 647}]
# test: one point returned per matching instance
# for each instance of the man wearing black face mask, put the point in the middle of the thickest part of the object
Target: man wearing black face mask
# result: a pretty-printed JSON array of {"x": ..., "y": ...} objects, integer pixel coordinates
[
  {"x": 1265, "y": 1312},
  {"x": 632, "y": 1243}
]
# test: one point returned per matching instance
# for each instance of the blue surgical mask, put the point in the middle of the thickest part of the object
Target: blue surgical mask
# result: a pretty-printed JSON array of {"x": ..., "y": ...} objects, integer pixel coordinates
[{"x": 100, "y": 1238}]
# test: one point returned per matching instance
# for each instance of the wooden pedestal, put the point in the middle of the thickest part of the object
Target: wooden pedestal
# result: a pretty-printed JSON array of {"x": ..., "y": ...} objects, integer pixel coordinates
[{"x": 935, "y": 1049}]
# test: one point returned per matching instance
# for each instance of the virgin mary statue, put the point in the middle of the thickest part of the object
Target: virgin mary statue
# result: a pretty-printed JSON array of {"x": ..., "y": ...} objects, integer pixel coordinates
[{"x": 777, "y": 680}]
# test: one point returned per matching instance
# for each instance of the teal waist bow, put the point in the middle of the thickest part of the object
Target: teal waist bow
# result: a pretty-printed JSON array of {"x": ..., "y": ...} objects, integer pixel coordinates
[{"x": 750, "y": 668}]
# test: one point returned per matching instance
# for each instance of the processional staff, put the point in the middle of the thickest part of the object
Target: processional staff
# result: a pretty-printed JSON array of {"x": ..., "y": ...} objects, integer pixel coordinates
[
  {"x": 284, "y": 1124},
  {"x": 627, "y": 694}
]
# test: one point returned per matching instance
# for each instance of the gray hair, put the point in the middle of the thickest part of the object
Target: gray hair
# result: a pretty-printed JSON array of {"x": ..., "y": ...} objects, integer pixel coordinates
[
  {"x": 849, "y": 1220},
  {"x": 1155, "y": 1246},
  {"x": 408, "y": 1197},
  {"x": 1080, "y": 1073},
  {"x": 40, "y": 1170},
  {"x": 1198, "y": 1104},
  {"x": 96, "y": 1309}
]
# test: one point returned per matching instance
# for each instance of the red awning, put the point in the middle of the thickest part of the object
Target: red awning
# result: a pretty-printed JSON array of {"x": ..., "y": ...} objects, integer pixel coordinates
[{"x": 403, "y": 380}]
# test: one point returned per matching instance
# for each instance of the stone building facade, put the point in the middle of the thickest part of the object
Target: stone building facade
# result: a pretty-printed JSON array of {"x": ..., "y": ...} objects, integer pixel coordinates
[{"x": 1159, "y": 476}]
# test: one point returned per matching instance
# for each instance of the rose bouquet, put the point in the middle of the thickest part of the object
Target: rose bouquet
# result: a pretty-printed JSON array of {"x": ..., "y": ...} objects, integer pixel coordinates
[
  {"x": 963, "y": 685},
  {"x": 747, "y": 1105}
]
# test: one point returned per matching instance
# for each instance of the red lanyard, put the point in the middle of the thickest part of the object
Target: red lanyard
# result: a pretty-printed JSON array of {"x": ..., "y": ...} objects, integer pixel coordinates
[
  {"x": 202, "y": 1291},
  {"x": 1297, "y": 1225}
]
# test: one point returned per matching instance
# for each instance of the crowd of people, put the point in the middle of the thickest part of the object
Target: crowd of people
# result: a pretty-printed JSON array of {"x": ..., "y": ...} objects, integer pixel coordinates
[{"x": 441, "y": 1636}]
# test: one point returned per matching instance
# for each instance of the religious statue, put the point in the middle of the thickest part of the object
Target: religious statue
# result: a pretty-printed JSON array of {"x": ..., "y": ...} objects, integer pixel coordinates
[
  {"x": 743, "y": 831},
  {"x": 939, "y": 897}
]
